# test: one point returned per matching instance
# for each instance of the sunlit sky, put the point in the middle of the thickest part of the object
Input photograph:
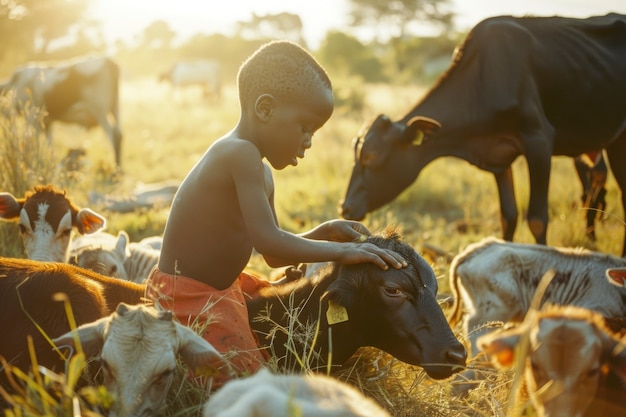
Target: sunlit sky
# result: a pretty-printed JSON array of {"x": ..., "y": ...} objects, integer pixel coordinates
[{"x": 126, "y": 18}]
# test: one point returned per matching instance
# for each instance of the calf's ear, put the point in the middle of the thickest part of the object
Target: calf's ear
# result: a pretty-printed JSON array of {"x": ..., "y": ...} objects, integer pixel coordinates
[
  {"x": 88, "y": 221},
  {"x": 10, "y": 207},
  {"x": 616, "y": 276},
  {"x": 90, "y": 337},
  {"x": 198, "y": 354},
  {"x": 341, "y": 292},
  {"x": 500, "y": 347}
]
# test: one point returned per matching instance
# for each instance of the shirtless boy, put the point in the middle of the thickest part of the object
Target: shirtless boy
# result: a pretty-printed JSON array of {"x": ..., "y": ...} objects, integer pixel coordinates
[{"x": 225, "y": 206}]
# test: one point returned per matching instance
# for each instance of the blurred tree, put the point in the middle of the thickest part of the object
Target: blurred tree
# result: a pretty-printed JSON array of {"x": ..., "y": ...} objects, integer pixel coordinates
[
  {"x": 345, "y": 55},
  {"x": 28, "y": 27},
  {"x": 272, "y": 26},
  {"x": 400, "y": 19},
  {"x": 158, "y": 35},
  {"x": 400, "y": 14}
]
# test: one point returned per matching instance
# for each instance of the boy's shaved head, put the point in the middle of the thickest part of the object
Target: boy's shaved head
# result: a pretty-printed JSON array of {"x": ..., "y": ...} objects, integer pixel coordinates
[{"x": 281, "y": 68}]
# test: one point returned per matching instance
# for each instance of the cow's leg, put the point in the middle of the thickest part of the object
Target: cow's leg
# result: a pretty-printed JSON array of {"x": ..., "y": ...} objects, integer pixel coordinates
[
  {"x": 508, "y": 206},
  {"x": 538, "y": 156},
  {"x": 592, "y": 172},
  {"x": 616, "y": 153}
]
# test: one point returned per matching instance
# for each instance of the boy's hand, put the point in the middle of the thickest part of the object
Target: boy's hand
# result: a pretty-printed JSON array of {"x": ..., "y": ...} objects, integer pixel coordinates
[
  {"x": 346, "y": 231},
  {"x": 367, "y": 252}
]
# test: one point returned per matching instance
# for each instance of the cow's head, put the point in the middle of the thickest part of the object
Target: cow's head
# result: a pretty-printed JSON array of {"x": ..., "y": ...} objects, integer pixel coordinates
[
  {"x": 397, "y": 311},
  {"x": 566, "y": 355},
  {"x": 102, "y": 253},
  {"x": 138, "y": 347},
  {"x": 383, "y": 163},
  {"x": 46, "y": 218}
]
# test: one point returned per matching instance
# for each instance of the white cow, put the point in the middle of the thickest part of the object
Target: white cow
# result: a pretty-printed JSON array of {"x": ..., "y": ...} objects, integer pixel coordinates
[
  {"x": 47, "y": 217},
  {"x": 84, "y": 91},
  {"x": 275, "y": 395},
  {"x": 202, "y": 72},
  {"x": 495, "y": 280},
  {"x": 573, "y": 365},
  {"x": 138, "y": 347},
  {"x": 116, "y": 256}
]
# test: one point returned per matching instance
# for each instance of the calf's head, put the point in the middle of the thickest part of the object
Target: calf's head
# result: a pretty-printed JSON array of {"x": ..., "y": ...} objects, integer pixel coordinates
[
  {"x": 568, "y": 356},
  {"x": 46, "y": 218},
  {"x": 138, "y": 347},
  {"x": 383, "y": 164},
  {"x": 397, "y": 310}
]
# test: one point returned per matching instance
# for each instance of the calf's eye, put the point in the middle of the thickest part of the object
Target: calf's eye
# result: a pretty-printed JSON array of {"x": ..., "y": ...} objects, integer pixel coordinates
[{"x": 393, "y": 292}]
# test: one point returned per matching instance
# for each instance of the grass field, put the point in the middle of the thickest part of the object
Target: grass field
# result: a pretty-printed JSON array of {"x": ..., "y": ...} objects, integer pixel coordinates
[{"x": 451, "y": 205}]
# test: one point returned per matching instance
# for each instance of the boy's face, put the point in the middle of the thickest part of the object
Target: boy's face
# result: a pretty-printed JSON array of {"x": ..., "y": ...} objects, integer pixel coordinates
[{"x": 291, "y": 124}]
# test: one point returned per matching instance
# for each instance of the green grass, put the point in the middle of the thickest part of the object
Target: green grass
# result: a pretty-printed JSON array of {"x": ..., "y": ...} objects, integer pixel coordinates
[{"x": 451, "y": 205}]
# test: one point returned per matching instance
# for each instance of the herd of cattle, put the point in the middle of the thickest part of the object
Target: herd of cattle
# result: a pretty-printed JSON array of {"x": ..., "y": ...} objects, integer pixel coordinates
[{"x": 559, "y": 91}]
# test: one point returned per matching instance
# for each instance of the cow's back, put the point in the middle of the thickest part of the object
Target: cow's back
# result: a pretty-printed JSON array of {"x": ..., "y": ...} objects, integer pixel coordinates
[{"x": 27, "y": 304}]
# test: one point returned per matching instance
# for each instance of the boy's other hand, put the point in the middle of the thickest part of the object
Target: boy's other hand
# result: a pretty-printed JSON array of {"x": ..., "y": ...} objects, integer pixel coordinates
[
  {"x": 368, "y": 252},
  {"x": 346, "y": 231}
]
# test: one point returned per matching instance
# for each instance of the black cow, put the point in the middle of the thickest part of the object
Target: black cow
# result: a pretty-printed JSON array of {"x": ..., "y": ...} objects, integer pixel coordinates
[
  {"x": 394, "y": 310},
  {"x": 83, "y": 92},
  {"x": 592, "y": 171},
  {"x": 532, "y": 86}
]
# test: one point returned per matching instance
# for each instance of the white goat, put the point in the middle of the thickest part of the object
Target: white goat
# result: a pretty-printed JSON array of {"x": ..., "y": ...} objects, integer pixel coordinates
[
  {"x": 274, "y": 395},
  {"x": 138, "y": 347}
]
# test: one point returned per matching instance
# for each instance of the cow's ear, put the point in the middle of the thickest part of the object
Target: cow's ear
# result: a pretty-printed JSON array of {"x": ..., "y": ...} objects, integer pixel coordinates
[
  {"x": 500, "y": 347},
  {"x": 197, "y": 353},
  {"x": 90, "y": 337},
  {"x": 616, "y": 276},
  {"x": 88, "y": 221},
  {"x": 418, "y": 127},
  {"x": 341, "y": 292},
  {"x": 10, "y": 206}
]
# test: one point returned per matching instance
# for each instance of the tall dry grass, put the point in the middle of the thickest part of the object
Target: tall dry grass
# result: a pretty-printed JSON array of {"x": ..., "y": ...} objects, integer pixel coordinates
[{"x": 451, "y": 205}]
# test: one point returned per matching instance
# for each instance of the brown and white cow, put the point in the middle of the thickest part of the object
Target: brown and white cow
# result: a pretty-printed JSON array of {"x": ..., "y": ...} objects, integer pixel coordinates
[
  {"x": 46, "y": 218},
  {"x": 138, "y": 347},
  {"x": 28, "y": 292},
  {"x": 573, "y": 365},
  {"x": 495, "y": 280},
  {"x": 84, "y": 91},
  {"x": 518, "y": 86}
]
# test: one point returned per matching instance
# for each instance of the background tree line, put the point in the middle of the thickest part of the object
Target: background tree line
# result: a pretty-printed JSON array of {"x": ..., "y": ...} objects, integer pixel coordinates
[{"x": 38, "y": 30}]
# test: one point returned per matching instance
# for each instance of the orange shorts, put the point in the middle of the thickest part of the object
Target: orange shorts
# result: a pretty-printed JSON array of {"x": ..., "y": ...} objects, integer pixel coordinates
[{"x": 219, "y": 316}]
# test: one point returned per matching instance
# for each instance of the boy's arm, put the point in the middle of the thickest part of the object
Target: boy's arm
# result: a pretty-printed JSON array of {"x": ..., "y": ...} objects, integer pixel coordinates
[{"x": 278, "y": 246}]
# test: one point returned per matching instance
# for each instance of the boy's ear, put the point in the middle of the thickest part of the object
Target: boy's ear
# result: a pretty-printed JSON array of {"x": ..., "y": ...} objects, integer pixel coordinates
[{"x": 264, "y": 106}]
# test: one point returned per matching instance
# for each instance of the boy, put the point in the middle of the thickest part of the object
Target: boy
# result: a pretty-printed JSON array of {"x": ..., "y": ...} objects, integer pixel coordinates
[{"x": 225, "y": 206}]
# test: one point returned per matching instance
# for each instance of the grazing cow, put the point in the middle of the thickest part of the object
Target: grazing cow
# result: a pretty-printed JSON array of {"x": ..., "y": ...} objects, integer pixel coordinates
[
  {"x": 27, "y": 289},
  {"x": 575, "y": 367},
  {"x": 531, "y": 86},
  {"x": 84, "y": 92},
  {"x": 361, "y": 305},
  {"x": 276, "y": 395},
  {"x": 116, "y": 256},
  {"x": 138, "y": 347},
  {"x": 46, "y": 218},
  {"x": 496, "y": 281},
  {"x": 204, "y": 73}
]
